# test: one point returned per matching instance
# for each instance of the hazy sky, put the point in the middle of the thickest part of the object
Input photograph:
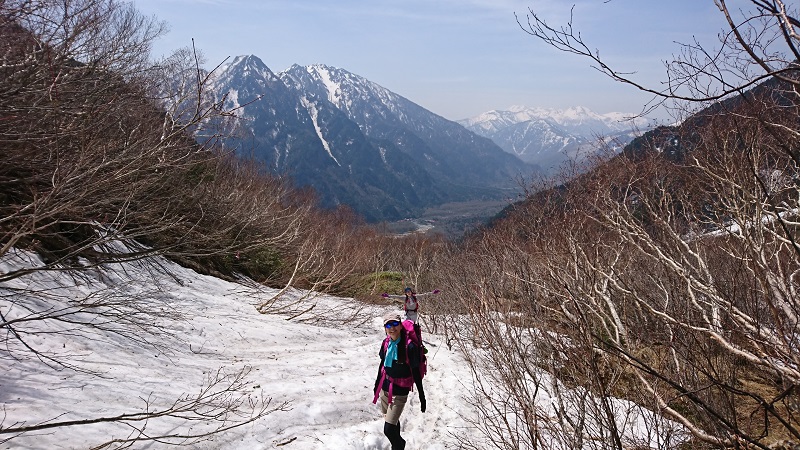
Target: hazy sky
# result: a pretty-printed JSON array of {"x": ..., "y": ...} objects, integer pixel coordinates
[{"x": 457, "y": 58}]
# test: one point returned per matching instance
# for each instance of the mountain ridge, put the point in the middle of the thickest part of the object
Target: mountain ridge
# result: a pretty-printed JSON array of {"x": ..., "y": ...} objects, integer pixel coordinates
[
  {"x": 552, "y": 137},
  {"x": 357, "y": 143}
]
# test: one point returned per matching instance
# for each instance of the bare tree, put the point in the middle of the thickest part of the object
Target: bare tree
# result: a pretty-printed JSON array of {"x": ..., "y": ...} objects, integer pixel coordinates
[
  {"x": 95, "y": 171},
  {"x": 659, "y": 287}
]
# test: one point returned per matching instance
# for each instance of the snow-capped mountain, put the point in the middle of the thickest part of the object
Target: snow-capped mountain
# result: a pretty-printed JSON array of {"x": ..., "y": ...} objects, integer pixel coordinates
[
  {"x": 551, "y": 137},
  {"x": 443, "y": 146},
  {"x": 577, "y": 120},
  {"x": 357, "y": 143}
]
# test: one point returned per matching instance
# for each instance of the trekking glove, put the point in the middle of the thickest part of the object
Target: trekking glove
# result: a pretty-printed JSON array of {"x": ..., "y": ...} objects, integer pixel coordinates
[{"x": 422, "y": 404}]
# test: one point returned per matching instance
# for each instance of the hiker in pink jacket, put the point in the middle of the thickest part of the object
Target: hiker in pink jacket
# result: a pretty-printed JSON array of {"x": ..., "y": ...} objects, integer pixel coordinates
[{"x": 401, "y": 368}]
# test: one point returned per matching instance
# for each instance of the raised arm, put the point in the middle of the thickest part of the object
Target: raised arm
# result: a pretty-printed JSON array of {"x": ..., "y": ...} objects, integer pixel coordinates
[{"x": 435, "y": 291}]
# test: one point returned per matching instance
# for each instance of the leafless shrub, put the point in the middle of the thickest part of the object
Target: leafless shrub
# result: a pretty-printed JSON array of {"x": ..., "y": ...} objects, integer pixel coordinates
[
  {"x": 101, "y": 166},
  {"x": 662, "y": 281},
  {"x": 220, "y": 405}
]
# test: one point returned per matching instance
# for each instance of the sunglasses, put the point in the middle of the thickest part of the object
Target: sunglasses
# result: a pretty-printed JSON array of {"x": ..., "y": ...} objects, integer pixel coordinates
[{"x": 392, "y": 324}]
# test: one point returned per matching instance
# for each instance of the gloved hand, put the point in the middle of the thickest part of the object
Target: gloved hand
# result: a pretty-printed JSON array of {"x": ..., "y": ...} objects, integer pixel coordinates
[
  {"x": 422, "y": 403},
  {"x": 385, "y": 295},
  {"x": 435, "y": 291}
]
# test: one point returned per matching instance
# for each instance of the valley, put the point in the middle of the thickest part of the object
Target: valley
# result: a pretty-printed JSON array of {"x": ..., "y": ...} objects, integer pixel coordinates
[{"x": 451, "y": 220}]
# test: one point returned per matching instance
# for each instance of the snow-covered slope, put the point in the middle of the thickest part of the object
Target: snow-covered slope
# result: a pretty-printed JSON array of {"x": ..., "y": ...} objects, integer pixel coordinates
[
  {"x": 313, "y": 357},
  {"x": 321, "y": 364}
]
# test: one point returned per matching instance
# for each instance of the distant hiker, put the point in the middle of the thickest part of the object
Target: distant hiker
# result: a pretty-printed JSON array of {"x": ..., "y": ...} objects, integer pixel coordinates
[
  {"x": 410, "y": 302},
  {"x": 402, "y": 367}
]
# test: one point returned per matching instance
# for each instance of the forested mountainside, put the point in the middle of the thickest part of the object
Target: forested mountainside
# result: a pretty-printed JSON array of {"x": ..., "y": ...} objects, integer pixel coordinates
[{"x": 359, "y": 144}]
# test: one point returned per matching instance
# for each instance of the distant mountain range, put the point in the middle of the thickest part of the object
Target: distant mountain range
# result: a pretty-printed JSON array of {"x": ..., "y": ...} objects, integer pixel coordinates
[
  {"x": 357, "y": 143},
  {"x": 551, "y": 137}
]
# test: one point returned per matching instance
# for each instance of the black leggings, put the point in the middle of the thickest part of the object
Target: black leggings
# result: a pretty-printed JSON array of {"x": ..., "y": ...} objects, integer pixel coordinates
[{"x": 393, "y": 433}]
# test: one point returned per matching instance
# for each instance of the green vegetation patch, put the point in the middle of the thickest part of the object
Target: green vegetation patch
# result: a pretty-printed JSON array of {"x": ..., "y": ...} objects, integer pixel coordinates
[
  {"x": 260, "y": 264},
  {"x": 369, "y": 287}
]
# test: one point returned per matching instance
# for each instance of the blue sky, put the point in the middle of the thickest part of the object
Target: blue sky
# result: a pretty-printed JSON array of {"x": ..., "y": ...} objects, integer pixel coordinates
[{"x": 457, "y": 58}]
